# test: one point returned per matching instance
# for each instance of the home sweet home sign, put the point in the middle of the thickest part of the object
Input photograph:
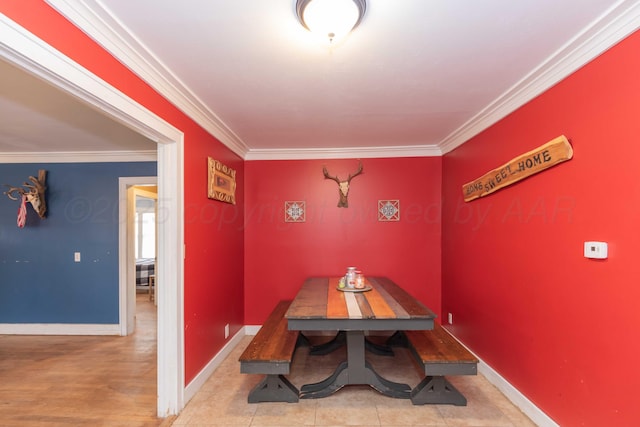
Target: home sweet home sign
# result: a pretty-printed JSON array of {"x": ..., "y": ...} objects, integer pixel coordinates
[{"x": 550, "y": 154}]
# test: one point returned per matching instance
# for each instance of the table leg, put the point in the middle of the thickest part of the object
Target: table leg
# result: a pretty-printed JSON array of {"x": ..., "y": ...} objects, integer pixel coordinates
[{"x": 355, "y": 371}]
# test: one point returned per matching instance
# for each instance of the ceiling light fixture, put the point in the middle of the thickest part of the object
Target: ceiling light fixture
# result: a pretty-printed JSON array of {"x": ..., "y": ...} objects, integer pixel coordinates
[{"x": 330, "y": 19}]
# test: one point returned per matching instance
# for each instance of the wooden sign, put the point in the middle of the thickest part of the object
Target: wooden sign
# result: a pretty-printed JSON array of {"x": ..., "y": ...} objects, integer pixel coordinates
[
  {"x": 550, "y": 154},
  {"x": 221, "y": 182}
]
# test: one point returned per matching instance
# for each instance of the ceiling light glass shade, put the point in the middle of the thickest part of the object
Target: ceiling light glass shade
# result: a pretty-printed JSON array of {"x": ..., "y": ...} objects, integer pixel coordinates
[{"x": 330, "y": 19}]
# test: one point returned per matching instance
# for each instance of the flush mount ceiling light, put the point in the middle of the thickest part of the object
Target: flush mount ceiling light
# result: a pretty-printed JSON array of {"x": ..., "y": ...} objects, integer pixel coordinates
[{"x": 330, "y": 19}]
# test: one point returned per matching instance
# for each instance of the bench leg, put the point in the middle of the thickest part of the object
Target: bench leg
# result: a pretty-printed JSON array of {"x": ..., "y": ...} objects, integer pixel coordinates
[
  {"x": 302, "y": 341},
  {"x": 437, "y": 390},
  {"x": 398, "y": 339},
  {"x": 274, "y": 388}
]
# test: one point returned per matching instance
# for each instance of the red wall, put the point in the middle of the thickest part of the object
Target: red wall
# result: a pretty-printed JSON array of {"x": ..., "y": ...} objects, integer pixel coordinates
[
  {"x": 213, "y": 291},
  {"x": 559, "y": 327},
  {"x": 279, "y": 255}
]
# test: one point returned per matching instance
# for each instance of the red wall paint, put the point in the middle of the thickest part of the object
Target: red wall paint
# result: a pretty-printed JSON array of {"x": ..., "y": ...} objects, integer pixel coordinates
[
  {"x": 559, "y": 327},
  {"x": 214, "y": 239},
  {"x": 279, "y": 255},
  {"x": 213, "y": 268}
]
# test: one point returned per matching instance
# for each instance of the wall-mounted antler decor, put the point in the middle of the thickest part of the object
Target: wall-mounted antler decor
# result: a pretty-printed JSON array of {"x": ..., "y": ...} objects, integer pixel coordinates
[
  {"x": 33, "y": 193},
  {"x": 343, "y": 186}
]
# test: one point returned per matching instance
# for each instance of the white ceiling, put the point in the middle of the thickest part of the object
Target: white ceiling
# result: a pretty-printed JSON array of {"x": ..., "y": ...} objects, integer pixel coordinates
[
  {"x": 37, "y": 117},
  {"x": 417, "y": 77}
]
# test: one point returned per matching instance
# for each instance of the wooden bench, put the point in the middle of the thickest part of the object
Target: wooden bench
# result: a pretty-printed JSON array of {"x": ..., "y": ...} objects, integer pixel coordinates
[
  {"x": 270, "y": 352},
  {"x": 441, "y": 355}
]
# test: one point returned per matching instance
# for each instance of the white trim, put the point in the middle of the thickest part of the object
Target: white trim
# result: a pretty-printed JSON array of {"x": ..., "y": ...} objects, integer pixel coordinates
[
  {"x": 80, "y": 157},
  {"x": 35, "y": 56},
  {"x": 618, "y": 22},
  {"x": 513, "y": 394},
  {"x": 21, "y": 48},
  {"x": 518, "y": 399},
  {"x": 58, "y": 329},
  {"x": 251, "y": 329},
  {"x": 344, "y": 153},
  {"x": 273, "y": 154},
  {"x": 201, "y": 378},
  {"x": 170, "y": 277},
  {"x": 92, "y": 18}
]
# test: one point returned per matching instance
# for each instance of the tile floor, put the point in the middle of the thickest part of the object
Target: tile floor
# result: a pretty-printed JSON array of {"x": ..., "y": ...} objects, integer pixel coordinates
[{"x": 222, "y": 401}]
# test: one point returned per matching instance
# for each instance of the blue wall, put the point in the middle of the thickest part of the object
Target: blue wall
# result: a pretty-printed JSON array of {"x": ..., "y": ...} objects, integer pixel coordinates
[{"x": 39, "y": 280}]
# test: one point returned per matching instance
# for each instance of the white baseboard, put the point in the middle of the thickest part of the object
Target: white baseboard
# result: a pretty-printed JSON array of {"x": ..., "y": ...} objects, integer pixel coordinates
[
  {"x": 251, "y": 329},
  {"x": 58, "y": 329},
  {"x": 525, "y": 405},
  {"x": 202, "y": 377}
]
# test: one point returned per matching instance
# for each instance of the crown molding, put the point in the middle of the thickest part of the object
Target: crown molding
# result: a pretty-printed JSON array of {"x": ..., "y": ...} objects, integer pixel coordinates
[
  {"x": 345, "y": 153},
  {"x": 94, "y": 20},
  {"x": 80, "y": 157},
  {"x": 618, "y": 22},
  {"x": 615, "y": 24}
]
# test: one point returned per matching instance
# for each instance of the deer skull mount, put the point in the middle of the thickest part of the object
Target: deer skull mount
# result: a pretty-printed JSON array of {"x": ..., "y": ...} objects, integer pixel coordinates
[
  {"x": 34, "y": 192},
  {"x": 343, "y": 186}
]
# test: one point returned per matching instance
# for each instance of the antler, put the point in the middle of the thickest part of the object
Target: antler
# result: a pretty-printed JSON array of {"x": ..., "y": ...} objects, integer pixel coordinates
[
  {"x": 358, "y": 172},
  {"x": 38, "y": 184},
  {"x": 326, "y": 175},
  {"x": 12, "y": 190},
  {"x": 34, "y": 192}
]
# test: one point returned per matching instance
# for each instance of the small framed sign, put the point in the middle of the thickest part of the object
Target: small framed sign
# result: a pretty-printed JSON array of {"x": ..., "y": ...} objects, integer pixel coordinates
[{"x": 222, "y": 182}]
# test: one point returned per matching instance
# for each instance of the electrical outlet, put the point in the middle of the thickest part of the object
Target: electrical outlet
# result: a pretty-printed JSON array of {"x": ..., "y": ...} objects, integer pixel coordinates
[
  {"x": 226, "y": 331},
  {"x": 450, "y": 318},
  {"x": 76, "y": 256}
]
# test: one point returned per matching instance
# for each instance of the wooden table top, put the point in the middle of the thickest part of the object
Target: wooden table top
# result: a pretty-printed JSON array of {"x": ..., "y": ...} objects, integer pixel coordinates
[{"x": 319, "y": 305}]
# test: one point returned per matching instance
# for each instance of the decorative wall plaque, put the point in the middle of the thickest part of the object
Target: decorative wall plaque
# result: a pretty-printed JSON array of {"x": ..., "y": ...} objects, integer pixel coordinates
[
  {"x": 295, "y": 211},
  {"x": 388, "y": 210},
  {"x": 343, "y": 186},
  {"x": 33, "y": 192},
  {"x": 222, "y": 182},
  {"x": 550, "y": 154}
]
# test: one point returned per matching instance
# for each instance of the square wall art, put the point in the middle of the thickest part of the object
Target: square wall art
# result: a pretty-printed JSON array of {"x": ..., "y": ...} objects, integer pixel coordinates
[
  {"x": 388, "y": 210},
  {"x": 294, "y": 211}
]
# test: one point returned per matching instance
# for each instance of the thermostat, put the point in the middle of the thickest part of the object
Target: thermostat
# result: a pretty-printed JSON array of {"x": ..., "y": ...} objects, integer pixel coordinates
[{"x": 595, "y": 250}]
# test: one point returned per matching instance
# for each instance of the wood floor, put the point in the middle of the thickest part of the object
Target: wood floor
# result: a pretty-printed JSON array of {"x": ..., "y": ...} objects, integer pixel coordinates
[{"x": 81, "y": 381}]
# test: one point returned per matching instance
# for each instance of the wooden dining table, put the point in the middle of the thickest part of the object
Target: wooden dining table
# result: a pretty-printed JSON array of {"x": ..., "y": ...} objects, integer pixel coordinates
[{"x": 320, "y": 305}]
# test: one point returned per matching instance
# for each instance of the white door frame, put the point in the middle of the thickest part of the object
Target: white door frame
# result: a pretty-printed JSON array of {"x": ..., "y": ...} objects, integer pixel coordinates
[
  {"x": 23, "y": 49},
  {"x": 126, "y": 258}
]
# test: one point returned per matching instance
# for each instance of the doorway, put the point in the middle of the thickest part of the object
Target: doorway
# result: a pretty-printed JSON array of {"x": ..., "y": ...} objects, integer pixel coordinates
[
  {"x": 130, "y": 188},
  {"x": 145, "y": 240},
  {"x": 29, "y": 53}
]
